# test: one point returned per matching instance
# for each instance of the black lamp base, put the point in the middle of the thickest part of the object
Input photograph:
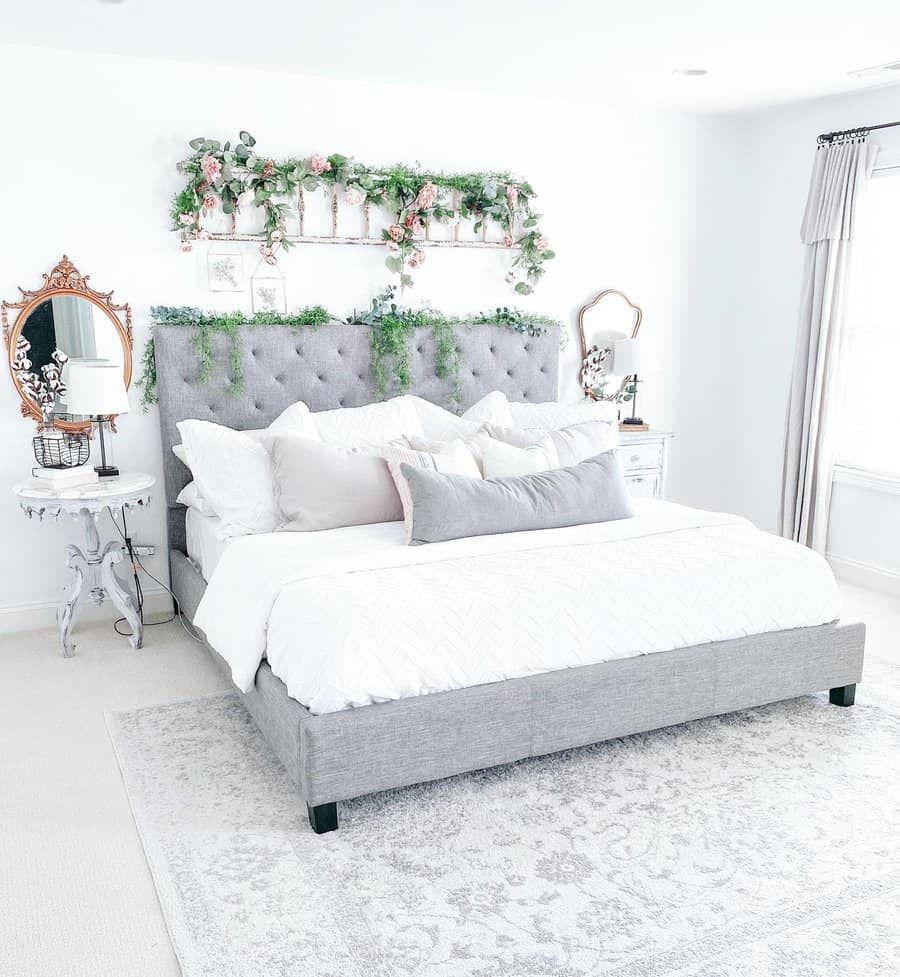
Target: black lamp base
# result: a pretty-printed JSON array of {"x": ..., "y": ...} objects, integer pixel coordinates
[
  {"x": 633, "y": 420},
  {"x": 106, "y": 471}
]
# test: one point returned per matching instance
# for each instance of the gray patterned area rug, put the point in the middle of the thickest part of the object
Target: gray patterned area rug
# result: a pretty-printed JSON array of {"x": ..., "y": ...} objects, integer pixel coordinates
[{"x": 760, "y": 844}]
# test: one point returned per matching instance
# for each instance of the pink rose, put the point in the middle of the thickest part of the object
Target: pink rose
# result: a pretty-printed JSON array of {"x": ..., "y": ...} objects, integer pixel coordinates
[
  {"x": 203, "y": 235},
  {"x": 210, "y": 201},
  {"x": 186, "y": 219},
  {"x": 426, "y": 196},
  {"x": 211, "y": 167},
  {"x": 393, "y": 246},
  {"x": 354, "y": 196},
  {"x": 186, "y": 246},
  {"x": 396, "y": 232},
  {"x": 268, "y": 255},
  {"x": 508, "y": 241},
  {"x": 269, "y": 168},
  {"x": 276, "y": 237},
  {"x": 319, "y": 164},
  {"x": 512, "y": 194},
  {"x": 416, "y": 258},
  {"x": 414, "y": 223},
  {"x": 541, "y": 243}
]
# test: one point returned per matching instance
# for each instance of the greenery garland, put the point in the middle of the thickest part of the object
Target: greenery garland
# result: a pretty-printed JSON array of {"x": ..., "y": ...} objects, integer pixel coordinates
[
  {"x": 228, "y": 177},
  {"x": 392, "y": 329}
]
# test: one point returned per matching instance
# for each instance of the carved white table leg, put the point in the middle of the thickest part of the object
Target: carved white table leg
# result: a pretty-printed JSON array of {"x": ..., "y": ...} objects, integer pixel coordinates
[{"x": 97, "y": 568}]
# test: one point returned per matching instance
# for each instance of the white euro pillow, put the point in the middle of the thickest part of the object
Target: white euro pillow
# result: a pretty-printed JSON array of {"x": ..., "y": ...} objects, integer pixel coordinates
[
  {"x": 190, "y": 496},
  {"x": 371, "y": 424},
  {"x": 551, "y": 416},
  {"x": 233, "y": 473},
  {"x": 501, "y": 460},
  {"x": 440, "y": 424},
  {"x": 296, "y": 419},
  {"x": 493, "y": 408},
  {"x": 579, "y": 442}
]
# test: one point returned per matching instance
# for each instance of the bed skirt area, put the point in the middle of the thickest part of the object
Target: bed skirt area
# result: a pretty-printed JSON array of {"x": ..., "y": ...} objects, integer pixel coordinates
[{"x": 346, "y": 754}]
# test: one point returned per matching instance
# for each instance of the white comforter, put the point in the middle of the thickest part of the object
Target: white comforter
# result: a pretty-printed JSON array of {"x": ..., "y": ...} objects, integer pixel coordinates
[{"x": 348, "y": 617}]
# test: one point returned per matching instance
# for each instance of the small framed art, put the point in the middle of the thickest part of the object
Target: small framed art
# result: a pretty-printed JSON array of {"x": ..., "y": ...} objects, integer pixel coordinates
[
  {"x": 225, "y": 271},
  {"x": 267, "y": 293}
]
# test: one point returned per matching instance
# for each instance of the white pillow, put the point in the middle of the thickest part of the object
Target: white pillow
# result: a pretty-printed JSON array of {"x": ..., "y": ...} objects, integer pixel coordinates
[
  {"x": 476, "y": 445},
  {"x": 493, "y": 408},
  {"x": 233, "y": 473},
  {"x": 552, "y": 416},
  {"x": 519, "y": 436},
  {"x": 372, "y": 424},
  {"x": 580, "y": 441},
  {"x": 324, "y": 486},
  {"x": 190, "y": 496},
  {"x": 454, "y": 459},
  {"x": 502, "y": 459},
  {"x": 440, "y": 424},
  {"x": 296, "y": 419}
]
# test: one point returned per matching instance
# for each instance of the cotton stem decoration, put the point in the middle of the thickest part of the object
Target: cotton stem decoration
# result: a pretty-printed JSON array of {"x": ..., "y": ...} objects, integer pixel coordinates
[
  {"x": 230, "y": 177},
  {"x": 43, "y": 388}
]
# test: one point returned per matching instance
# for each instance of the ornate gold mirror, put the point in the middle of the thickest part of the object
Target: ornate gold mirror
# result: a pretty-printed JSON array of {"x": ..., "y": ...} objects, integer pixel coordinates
[
  {"x": 65, "y": 319},
  {"x": 607, "y": 318}
]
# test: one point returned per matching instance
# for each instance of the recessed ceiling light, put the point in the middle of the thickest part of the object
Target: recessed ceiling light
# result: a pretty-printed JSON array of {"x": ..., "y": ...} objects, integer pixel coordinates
[{"x": 690, "y": 72}]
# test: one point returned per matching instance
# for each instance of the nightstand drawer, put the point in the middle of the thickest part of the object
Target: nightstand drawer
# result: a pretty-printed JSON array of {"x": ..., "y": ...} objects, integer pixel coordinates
[
  {"x": 641, "y": 456},
  {"x": 644, "y": 486}
]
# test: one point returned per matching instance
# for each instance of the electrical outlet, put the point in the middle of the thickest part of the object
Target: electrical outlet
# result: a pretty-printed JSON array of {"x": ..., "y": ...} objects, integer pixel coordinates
[{"x": 144, "y": 550}]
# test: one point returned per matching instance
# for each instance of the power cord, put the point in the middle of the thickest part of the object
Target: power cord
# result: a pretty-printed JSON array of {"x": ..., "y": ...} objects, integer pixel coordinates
[{"x": 139, "y": 592}]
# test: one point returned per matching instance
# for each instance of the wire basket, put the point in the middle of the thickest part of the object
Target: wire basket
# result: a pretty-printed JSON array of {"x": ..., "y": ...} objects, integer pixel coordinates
[{"x": 65, "y": 452}]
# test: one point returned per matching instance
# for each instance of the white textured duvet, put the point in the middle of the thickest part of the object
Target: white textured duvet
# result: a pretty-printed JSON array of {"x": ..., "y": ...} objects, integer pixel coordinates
[{"x": 348, "y": 617}]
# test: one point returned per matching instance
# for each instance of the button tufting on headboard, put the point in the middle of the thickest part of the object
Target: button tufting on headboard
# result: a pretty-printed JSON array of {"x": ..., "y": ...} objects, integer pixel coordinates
[{"x": 491, "y": 358}]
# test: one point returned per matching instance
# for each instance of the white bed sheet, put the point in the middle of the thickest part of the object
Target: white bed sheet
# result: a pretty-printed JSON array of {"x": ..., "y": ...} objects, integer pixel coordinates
[
  {"x": 348, "y": 617},
  {"x": 206, "y": 541}
]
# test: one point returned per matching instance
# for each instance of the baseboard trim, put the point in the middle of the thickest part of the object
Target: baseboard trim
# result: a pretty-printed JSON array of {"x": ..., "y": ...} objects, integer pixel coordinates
[
  {"x": 865, "y": 575},
  {"x": 42, "y": 614}
]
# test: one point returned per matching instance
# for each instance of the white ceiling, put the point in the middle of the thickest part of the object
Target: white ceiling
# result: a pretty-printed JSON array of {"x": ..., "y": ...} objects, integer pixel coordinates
[{"x": 757, "y": 53}]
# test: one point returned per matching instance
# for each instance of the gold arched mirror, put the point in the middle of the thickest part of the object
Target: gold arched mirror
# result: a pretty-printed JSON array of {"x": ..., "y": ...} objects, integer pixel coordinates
[
  {"x": 607, "y": 318},
  {"x": 65, "y": 319}
]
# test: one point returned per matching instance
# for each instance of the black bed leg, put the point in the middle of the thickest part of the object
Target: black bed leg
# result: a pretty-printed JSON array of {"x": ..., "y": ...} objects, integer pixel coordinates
[
  {"x": 323, "y": 817},
  {"x": 843, "y": 695}
]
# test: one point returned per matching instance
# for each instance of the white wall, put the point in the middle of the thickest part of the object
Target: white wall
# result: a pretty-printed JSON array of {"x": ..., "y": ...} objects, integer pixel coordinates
[
  {"x": 633, "y": 198},
  {"x": 776, "y": 157}
]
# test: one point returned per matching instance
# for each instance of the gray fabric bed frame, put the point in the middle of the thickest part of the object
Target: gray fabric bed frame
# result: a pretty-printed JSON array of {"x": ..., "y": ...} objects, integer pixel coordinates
[{"x": 341, "y": 755}]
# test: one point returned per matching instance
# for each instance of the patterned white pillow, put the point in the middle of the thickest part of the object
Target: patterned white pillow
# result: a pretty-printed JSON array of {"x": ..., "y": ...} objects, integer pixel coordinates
[
  {"x": 493, "y": 408},
  {"x": 454, "y": 459},
  {"x": 502, "y": 459},
  {"x": 552, "y": 416},
  {"x": 378, "y": 423},
  {"x": 440, "y": 424}
]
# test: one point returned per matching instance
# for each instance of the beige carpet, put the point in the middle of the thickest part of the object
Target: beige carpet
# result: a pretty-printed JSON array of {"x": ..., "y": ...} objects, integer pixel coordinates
[{"x": 76, "y": 892}]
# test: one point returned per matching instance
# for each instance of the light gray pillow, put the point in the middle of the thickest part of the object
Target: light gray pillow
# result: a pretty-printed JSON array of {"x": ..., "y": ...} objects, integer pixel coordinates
[
  {"x": 324, "y": 486},
  {"x": 453, "y": 506}
]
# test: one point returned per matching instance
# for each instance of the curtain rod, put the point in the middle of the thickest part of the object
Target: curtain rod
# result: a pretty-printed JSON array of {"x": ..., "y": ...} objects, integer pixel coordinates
[{"x": 860, "y": 130}]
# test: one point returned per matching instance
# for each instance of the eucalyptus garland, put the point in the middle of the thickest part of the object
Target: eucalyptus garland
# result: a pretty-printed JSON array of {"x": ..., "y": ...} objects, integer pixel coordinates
[
  {"x": 229, "y": 177},
  {"x": 392, "y": 329}
]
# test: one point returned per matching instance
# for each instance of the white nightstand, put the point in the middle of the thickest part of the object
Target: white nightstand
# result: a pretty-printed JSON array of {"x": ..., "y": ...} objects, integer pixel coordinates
[
  {"x": 94, "y": 566},
  {"x": 643, "y": 456}
]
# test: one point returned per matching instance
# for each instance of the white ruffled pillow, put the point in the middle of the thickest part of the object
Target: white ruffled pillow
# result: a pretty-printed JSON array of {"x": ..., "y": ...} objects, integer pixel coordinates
[
  {"x": 551, "y": 416},
  {"x": 233, "y": 473}
]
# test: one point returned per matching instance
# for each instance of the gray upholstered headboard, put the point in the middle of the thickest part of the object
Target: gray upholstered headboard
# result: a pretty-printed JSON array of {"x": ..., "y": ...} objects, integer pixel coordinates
[{"x": 328, "y": 367}]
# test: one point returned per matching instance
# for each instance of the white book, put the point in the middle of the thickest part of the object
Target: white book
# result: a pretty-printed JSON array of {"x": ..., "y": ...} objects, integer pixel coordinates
[{"x": 80, "y": 475}]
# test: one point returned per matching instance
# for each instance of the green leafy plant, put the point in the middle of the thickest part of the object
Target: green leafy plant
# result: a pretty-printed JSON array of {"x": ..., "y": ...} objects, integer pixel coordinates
[{"x": 228, "y": 177}]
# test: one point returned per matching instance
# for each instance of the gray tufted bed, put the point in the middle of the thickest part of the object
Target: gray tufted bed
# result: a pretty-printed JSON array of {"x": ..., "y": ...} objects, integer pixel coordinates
[{"x": 339, "y": 755}]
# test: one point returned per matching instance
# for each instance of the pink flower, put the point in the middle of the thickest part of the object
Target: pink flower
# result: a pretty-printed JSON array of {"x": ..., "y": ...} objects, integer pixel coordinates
[
  {"x": 541, "y": 243},
  {"x": 319, "y": 164},
  {"x": 393, "y": 246},
  {"x": 414, "y": 223},
  {"x": 211, "y": 167},
  {"x": 186, "y": 219},
  {"x": 426, "y": 196},
  {"x": 396, "y": 232},
  {"x": 186, "y": 246},
  {"x": 269, "y": 168},
  {"x": 354, "y": 196},
  {"x": 203, "y": 235},
  {"x": 210, "y": 201},
  {"x": 276, "y": 236},
  {"x": 512, "y": 194},
  {"x": 268, "y": 255},
  {"x": 508, "y": 241},
  {"x": 416, "y": 258}
]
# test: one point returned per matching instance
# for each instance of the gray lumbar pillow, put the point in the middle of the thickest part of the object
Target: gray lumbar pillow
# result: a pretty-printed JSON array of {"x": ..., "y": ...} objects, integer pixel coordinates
[{"x": 453, "y": 506}]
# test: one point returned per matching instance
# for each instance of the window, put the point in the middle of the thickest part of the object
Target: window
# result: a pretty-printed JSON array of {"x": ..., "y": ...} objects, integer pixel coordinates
[{"x": 869, "y": 419}]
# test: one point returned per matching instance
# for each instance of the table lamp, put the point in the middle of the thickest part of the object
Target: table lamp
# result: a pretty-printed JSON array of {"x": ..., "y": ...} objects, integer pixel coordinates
[
  {"x": 627, "y": 363},
  {"x": 96, "y": 389}
]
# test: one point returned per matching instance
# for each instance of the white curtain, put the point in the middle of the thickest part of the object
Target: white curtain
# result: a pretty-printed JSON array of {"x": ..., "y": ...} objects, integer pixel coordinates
[{"x": 837, "y": 188}]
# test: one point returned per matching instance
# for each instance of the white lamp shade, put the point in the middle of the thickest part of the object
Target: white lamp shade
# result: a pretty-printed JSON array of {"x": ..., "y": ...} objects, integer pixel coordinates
[
  {"x": 626, "y": 358},
  {"x": 95, "y": 388}
]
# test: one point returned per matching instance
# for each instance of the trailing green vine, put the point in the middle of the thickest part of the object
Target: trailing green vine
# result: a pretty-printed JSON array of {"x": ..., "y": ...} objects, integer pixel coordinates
[
  {"x": 392, "y": 328},
  {"x": 222, "y": 177}
]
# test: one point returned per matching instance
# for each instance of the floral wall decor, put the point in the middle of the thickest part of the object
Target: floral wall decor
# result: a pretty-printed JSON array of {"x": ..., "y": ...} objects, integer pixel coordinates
[{"x": 228, "y": 179}]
